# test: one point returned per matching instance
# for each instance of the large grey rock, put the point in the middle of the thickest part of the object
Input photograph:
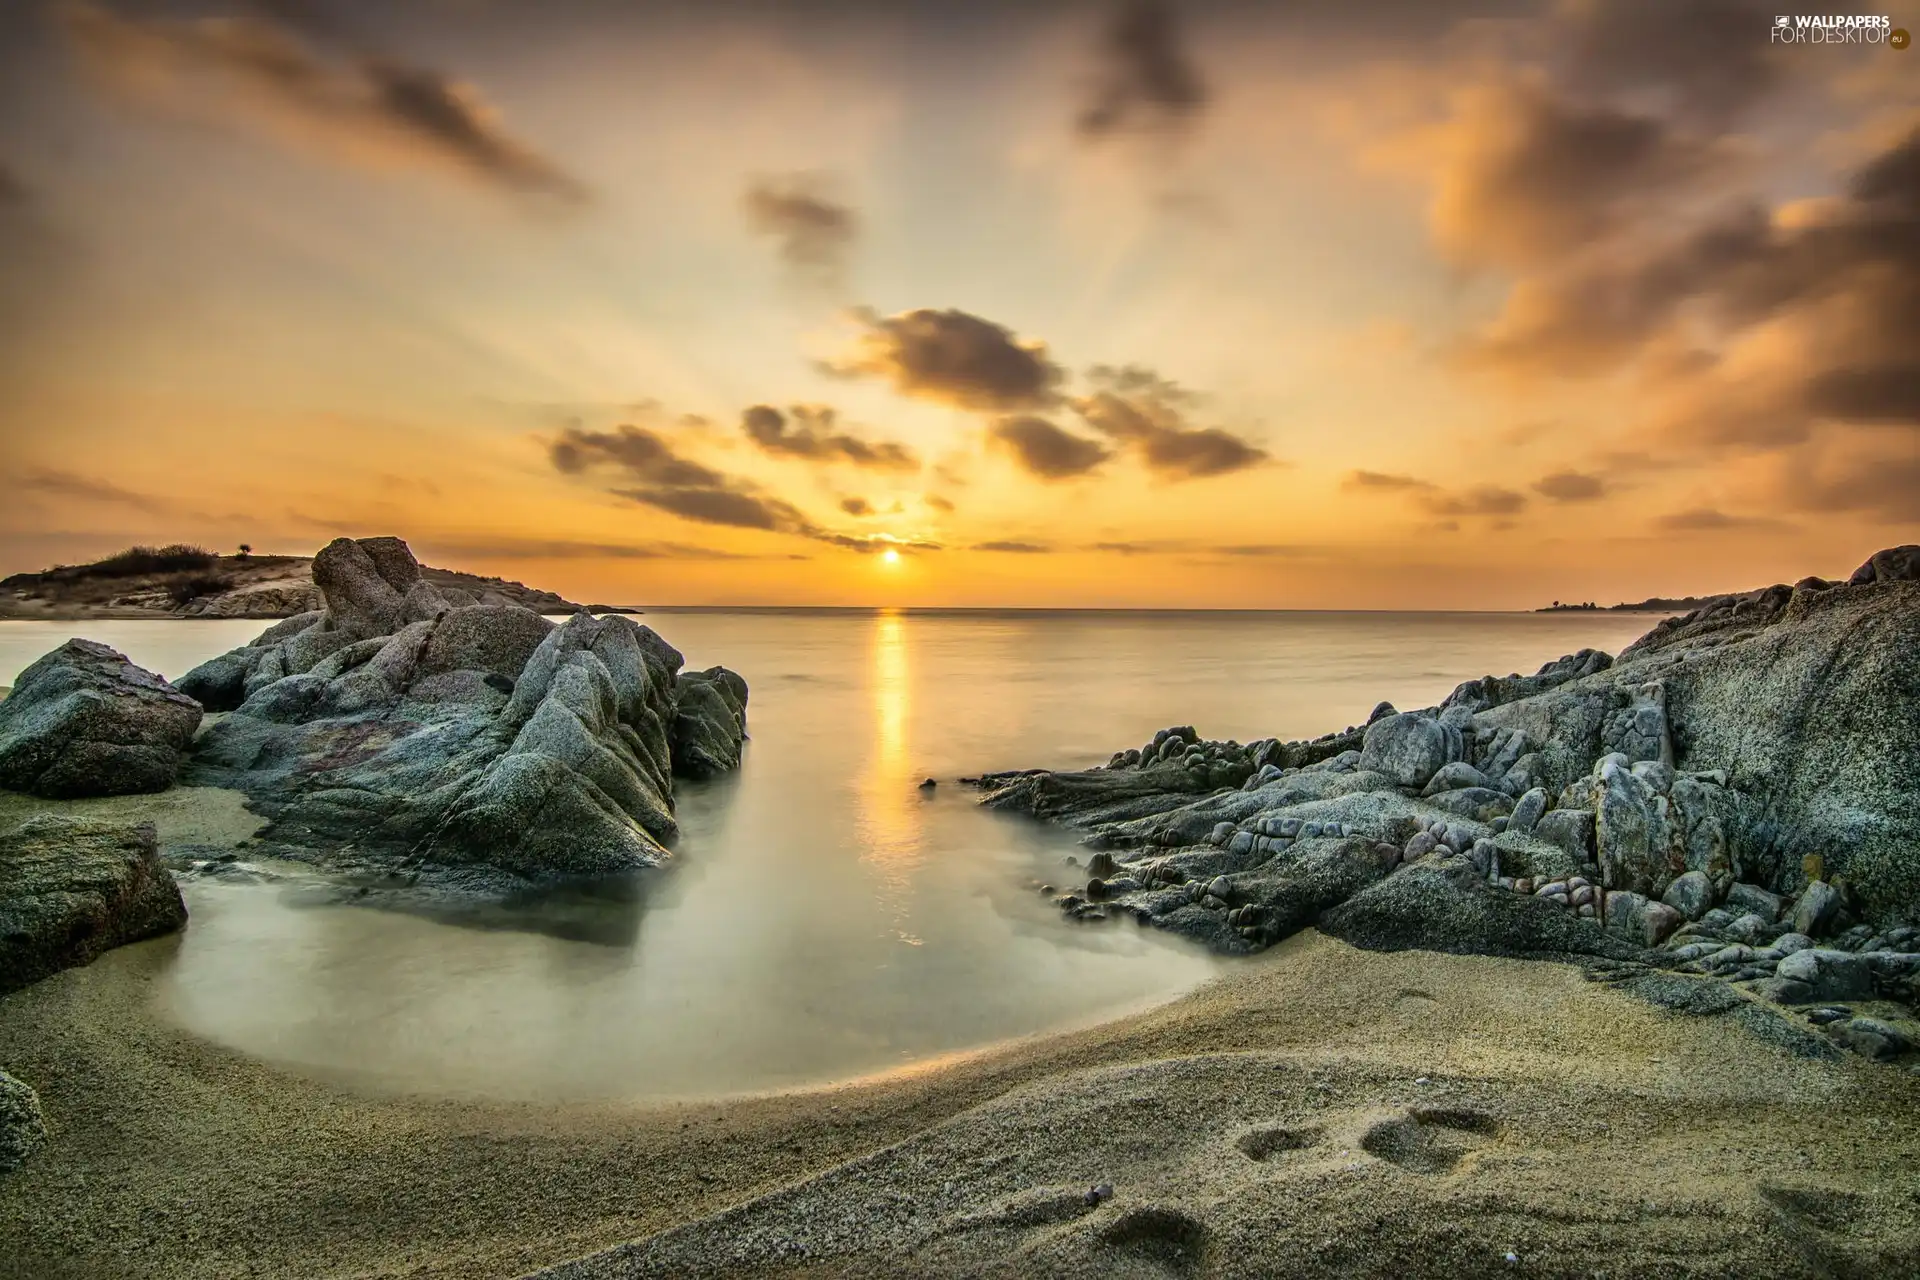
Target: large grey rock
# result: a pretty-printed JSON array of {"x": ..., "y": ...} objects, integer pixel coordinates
[
  {"x": 1570, "y": 829},
  {"x": 83, "y": 721},
  {"x": 1452, "y": 909},
  {"x": 72, "y": 888},
  {"x": 1743, "y": 898},
  {"x": 1527, "y": 811},
  {"x": 1895, "y": 564},
  {"x": 709, "y": 722},
  {"x": 22, "y": 1126},
  {"x": 1814, "y": 912},
  {"x": 1409, "y": 748},
  {"x": 1690, "y": 894},
  {"x": 1828, "y": 974},
  {"x": 402, "y": 730},
  {"x": 1456, "y": 776}
]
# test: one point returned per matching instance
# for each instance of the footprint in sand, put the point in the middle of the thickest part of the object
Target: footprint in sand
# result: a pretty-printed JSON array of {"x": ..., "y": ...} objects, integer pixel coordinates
[
  {"x": 1264, "y": 1144},
  {"x": 1430, "y": 1140}
]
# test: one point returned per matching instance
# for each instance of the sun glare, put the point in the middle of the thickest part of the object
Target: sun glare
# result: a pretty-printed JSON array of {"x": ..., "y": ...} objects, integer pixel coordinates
[{"x": 890, "y": 556}]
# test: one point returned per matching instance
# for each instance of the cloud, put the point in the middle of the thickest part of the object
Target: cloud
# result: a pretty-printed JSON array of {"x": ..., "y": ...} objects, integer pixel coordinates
[
  {"x": 512, "y": 548},
  {"x": 1710, "y": 520},
  {"x": 856, "y": 506},
  {"x": 810, "y": 435},
  {"x": 814, "y": 233},
  {"x": 1523, "y": 175},
  {"x": 1022, "y": 548},
  {"x": 952, "y": 357},
  {"x": 1482, "y": 500},
  {"x": 639, "y": 452},
  {"x": 735, "y": 508},
  {"x": 1045, "y": 450},
  {"x": 363, "y": 108},
  {"x": 67, "y": 484},
  {"x": 937, "y": 502},
  {"x": 13, "y": 191},
  {"x": 1569, "y": 486},
  {"x": 1706, "y": 58},
  {"x": 1147, "y": 80},
  {"x": 1384, "y": 480},
  {"x": 1144, "y": 414}
]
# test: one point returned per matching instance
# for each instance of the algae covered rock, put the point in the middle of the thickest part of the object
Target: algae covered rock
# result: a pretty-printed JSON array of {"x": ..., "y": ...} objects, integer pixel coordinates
[
  {"x": 84, "y": 721},
  {"x": 71, "y": 889}
]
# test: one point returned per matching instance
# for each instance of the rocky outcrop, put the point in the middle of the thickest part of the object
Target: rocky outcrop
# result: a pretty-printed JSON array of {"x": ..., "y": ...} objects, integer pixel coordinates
[
  {"x": 412, "y": 730},
  {"x": 71, "y": 889},
  {"x": 83, "y": 721},
  {"x": 1743, "y": 781},
  {"x": 22, "y": 1126}
]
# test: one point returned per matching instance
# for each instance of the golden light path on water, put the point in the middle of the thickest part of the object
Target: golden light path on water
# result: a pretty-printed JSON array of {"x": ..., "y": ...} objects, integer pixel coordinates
[{"x": 890, "y": 807}]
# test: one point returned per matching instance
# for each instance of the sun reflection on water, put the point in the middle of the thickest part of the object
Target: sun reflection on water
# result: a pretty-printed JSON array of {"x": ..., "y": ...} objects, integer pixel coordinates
[{"x": 890, "y": 807}]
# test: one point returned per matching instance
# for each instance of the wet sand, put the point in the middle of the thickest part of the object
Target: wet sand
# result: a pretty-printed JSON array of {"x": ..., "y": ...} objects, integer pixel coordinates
[{"x": 1318, "y": 1111}]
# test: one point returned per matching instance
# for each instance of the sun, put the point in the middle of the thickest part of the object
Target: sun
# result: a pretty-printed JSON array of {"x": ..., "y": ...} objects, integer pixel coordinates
[{"x": 890, "y": 556}]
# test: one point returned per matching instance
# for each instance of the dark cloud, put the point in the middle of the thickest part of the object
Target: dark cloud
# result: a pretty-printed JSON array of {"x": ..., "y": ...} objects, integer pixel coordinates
[
  {"x": 509, "y": 548},
  {"x": 937, "y": 502},
  {"x": 1881, "y": 393},
  {"x": 67, "y": 484},
  {"x": 1482, "y": 500},
  {"x": 810, "y": 435},
  {"x": 1709, "y": 520},
  {"x": 1707, "y": 58},
  {"x": 1045, "y": 450},
  {"x": 1147, "y": 80},
  {"x": 1874, "y": 483},
  {"x": 856, "y": 506},
  {"x": 361, "y": 107},
  {"x": 1126, "y": 548},
  {"x": 1266, "y": 550},
  {"x": 1529, "y": 176},
  {"x": 1022, "y": 548},
  {"x": 637, "y": 451},
  {"x": 1569, "y": 486},
  {"x": 953, "y": 357},
  {"x": 1145, "y": 414},
  {"x": 814, "y": 232},
  {"x": 1385, "y": 480},
  {"x": 733, "y": 507}
]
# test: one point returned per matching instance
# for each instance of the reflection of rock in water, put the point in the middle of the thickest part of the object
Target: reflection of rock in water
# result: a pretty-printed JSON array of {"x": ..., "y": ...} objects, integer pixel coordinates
[{"x": 606, "y": 912}]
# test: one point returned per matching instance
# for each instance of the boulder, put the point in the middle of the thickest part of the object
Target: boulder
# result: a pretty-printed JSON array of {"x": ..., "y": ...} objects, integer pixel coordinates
[
  {"x": 1409, "y": 748},
  {"x": 84, "y": 721},
  {"x": 1455, "y": 776},
  {"x": 1635, "y": 916},
  {"x": 1690, "y": 894},
  {"x": 1744, "y": 898},
  {"x": 1570, "y": 829},
  {"x": 404, "y": 730},
  {"x": 72, "y": 888},
  {"x": 709, "y": 722},
  {"x": 1814, "y": 912},
  {"x": 22, "y": 1126},
  {"x": 1895, "y": 564},
  {"x": 1828, "y": 974},
  {"x": 1527, "y": 811}
]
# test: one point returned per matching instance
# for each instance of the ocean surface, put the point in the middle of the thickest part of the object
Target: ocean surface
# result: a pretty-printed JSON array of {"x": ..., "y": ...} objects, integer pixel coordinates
[{"x": 825, "y": 919}]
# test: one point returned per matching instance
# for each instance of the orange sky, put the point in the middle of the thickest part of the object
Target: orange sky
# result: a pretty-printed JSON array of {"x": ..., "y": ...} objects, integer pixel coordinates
[{"x": 1219, "y": 305}]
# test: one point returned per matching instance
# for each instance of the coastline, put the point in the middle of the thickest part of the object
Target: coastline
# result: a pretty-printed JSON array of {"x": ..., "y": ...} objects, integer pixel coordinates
[{"x": 1604, "y": 1109}]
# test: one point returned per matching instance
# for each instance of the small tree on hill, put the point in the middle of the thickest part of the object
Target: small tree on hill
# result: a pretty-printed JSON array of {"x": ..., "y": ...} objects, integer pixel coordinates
[{"x": 245, "y": 551}]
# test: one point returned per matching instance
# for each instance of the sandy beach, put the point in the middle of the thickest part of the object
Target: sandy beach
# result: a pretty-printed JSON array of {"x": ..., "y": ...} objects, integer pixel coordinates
[{"x": 1321, "y": 1110}]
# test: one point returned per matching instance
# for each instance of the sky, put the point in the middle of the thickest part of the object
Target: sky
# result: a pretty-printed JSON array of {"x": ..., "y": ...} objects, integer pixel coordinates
[{"x": 1405, "y": 304}]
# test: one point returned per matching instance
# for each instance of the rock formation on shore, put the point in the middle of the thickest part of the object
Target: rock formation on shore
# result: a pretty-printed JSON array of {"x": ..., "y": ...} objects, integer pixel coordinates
[
  {"x": 83, "y": 721},
  {"x": 1742, "y": 783},
  {"x": 405, "y": 727},
  {"x": 71, "y": 889}
]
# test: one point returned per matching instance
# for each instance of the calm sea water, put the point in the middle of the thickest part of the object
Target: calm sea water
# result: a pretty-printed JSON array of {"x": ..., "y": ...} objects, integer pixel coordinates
[{"x": 825, "y": 919}]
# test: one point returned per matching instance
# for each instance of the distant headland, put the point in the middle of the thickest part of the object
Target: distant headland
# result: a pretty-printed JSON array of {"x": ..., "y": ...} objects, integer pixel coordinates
[{"x": 182, "y": 581}]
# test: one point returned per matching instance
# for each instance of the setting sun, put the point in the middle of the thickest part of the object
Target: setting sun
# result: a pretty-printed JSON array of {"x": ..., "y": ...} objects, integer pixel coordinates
[{"x": 890, "y": 556}]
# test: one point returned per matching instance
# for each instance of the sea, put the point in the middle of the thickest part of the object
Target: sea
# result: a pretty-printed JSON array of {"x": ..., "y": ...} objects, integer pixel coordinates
[{"x": 825, "y": 918}]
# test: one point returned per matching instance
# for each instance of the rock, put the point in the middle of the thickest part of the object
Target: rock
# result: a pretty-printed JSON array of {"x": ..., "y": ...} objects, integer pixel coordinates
[
  {"x": 1420, "y": 845},
  {"x": 1742, "y": 898},
  {"x": 928, "y": 784},
  {"x": 1869, "y": 1036},
  {"x": 1570, "y": 829},
  {"x": 1528, "y": 811},
  {"x": 1381, "y": 710},
  {"x": 1436, "y": 909},
  {"x": 1788, "y": 943},
  {"x": 1690, "y": 894},
  {"x": 709, "y": 722},
  {"x": 1220, "y": 888},
  {"x": 1829, "y": 975},
  {"x": 1630, "y": 837},
  {"x": 1477, "y": 803},
  {"x": 1454, "y": 776},
  {"x": 22, "y": 1126},
  {"x": 83, "y": 721},
  {"x": 1633, "y": 915},
  {"x": 1408, "y": 748},
  {"x": 1222, "y": 832},
  {"x": 476, "y": 737},
  {"x": 71, "y": 888},
  {"x": 1815, "y": 909},
  {"x": 1895, "y": 564}
]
